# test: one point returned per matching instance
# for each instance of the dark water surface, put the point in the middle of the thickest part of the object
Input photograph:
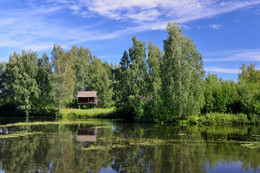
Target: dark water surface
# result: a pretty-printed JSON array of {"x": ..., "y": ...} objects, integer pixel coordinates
[{"x": 108, "y": 146}]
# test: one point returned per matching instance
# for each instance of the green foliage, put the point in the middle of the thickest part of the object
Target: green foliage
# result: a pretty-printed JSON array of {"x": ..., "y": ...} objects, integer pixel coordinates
[
  {"x": 182, "y": 74},
  {"x": 231, "y": 97},
  {"x": 43, "y": 78},
  {"x": 153, "y": 82},
  {"x": 138, "y": 76},
  {"x": 249, "y": 74},
  {"x": 220, "y": 96},
  {"x": 125, "y": 61},
  {"x": 220, "y": 119},
  {"x": 83, "y": 59},
  {"x": 2, "y": 75},
  {"x": 250, "y": 89},
  {"x": 2, "y": 80},
  {"x": 63, "y": 82},
  {"x": 160, "y": 87},
  {"x": 131, "y": 81},
  {"x": 20, "y": 86},
  {"x": 99, "y": 80},
  {"x": 123, "y": 87}
]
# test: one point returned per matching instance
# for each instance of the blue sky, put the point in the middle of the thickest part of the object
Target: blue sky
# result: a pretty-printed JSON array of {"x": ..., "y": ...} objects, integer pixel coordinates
[{"x": 226, "y": 32}]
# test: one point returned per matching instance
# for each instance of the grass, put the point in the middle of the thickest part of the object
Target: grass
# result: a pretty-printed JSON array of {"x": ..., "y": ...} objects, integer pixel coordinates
[
  {"x": 87, "y": 113},
  {"x": 220, "y": 118}
]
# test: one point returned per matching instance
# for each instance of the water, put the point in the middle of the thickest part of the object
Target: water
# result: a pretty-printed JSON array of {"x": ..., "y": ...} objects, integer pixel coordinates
[{"x": 109, "y": 146}]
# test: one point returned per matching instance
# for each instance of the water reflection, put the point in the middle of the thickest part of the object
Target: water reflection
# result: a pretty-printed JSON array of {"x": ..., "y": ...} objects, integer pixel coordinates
[
  {"x": 86, "y": 135},
  {"x": 123, "y": 147},
  {"x": 3, "y": 131}
]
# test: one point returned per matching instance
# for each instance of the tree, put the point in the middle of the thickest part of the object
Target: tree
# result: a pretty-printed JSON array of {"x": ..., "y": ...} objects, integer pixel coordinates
[
  {"x": 153, "y": 80},
  {"x": 220, "y": 96},
  {"x": 123, "y": 87},
  {"x": 131, "y": 84},
  {"x": 43, "y": 78},
  {"x": 182, "y": 74},
  {"x": 249, "y": 89},
  {"x": 137, "y": 76},
  {"x": 2, "y": 81},
  {"x": 138, "y": 67},
  {"x": 154, "y": 62},
  {"x": 2, "y": 76},
  {"x": 21, "y": 88},
  {"x": 83, "y": 60},
  {"x": 125, "y": 61},
  {"x": 98, "y": 80},
  {"x": 63, "y": 83},
  {"x": 249, "y": 74}
]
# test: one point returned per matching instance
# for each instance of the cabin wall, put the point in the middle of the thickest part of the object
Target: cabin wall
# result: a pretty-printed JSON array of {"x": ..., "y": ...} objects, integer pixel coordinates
[{"x": 88, "y": 101}]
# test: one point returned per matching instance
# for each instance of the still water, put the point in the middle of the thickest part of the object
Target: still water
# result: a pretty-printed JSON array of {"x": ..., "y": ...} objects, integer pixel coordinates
[{"x": 110, "y": 146}]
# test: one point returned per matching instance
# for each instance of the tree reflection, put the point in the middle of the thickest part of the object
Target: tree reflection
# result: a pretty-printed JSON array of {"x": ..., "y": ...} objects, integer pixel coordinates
[{"x": 128, "y": 148}]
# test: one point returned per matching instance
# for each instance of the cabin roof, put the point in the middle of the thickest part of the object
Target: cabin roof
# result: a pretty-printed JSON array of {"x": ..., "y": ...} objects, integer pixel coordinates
[{"x": 87, "y": 94}]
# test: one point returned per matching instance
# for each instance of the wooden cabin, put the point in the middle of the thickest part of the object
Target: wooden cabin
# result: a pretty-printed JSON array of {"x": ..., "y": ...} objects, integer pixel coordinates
[{"x": 88, "y": 98}]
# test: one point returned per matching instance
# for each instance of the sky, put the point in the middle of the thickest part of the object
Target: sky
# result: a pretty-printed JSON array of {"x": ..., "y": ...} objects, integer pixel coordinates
[{"x": 226, "y": 32}]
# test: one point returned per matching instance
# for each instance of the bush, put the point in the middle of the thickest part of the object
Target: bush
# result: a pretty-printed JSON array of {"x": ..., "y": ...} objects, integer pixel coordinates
[{"x": 223, "y": 118}]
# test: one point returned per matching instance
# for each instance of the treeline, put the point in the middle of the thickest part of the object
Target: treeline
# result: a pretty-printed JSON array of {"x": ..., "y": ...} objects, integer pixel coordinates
[
  {"x": 158, "y": 86},
  {"x": 234, "y": 97},
  {"x": 32, "y": 85},
  {"x": 172, "y": 85}
]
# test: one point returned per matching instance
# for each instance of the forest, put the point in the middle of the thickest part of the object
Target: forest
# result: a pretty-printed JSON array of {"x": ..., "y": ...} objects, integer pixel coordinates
[{"x": 148, "y": 84}]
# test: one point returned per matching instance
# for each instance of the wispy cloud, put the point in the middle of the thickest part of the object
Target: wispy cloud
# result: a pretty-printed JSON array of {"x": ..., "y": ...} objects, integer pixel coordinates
[
  {"x": 250, "y": 55},
  {"x": 143, "y": 10},
  {"x": 35, "y": 23},
  {"x": 215, "y": 26},
  {"x": 222, "y": 70}
]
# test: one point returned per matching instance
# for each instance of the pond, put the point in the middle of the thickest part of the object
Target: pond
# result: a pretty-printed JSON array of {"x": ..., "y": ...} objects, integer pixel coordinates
[{"x": 96, "y": 145}]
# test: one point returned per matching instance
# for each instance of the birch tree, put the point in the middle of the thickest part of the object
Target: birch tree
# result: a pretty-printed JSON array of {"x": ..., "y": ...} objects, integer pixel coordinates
[
  {"x": 63, "y": 83},
  {"x": 182, "y": 74}
]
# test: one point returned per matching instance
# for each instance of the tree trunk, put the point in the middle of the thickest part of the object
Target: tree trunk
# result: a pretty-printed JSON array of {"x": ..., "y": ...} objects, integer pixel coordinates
[
  {"x": 59, "y": 109},
  {"x": 27, "y": 117}
]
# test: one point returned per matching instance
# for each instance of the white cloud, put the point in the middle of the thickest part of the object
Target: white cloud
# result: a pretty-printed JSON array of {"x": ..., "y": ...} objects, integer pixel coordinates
[
  {"x": 215, "y": 26},
  {"x": 178, "y": 10},
  {"x": 36, "y": 26},
  {"x": 222, "y": 70},
  {"x": 250, "y": 55}
]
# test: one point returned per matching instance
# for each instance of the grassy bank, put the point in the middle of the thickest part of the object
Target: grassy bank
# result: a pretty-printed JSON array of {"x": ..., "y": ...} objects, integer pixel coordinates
[
  {"x": 87, "y": 113},
  {"x": 223, "y": 118},
  {"x": 208, "y": 119}
]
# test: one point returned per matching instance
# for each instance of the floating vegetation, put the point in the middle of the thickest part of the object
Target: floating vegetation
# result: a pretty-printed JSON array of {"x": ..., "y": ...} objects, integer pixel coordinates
[
  {"x": 19, "y": 134},
  {"x": 257, "y": 137},
  {"x": 94, "y": 147},
  {"x": 51, "y": 123},
  {"x": 149, "y": 143},
  {"x": 101, "y": 127},
  {"x": 251, "y": 145},
  {"x": 118, "y": 146},
  {"x": 169, "y": 142},
  {"x": 181, "y": 134}
]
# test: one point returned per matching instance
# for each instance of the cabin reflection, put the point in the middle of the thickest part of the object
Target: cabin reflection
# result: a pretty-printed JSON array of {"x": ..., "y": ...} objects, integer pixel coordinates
[{"x": 87, "y": 135}]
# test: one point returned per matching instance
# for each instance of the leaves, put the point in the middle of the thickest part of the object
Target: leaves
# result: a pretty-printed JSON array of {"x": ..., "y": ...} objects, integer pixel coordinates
[
  {"x": 64, "y": 77},
  {"x": 21, "y": 87},
  {"x": 182, "y": 74}
]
